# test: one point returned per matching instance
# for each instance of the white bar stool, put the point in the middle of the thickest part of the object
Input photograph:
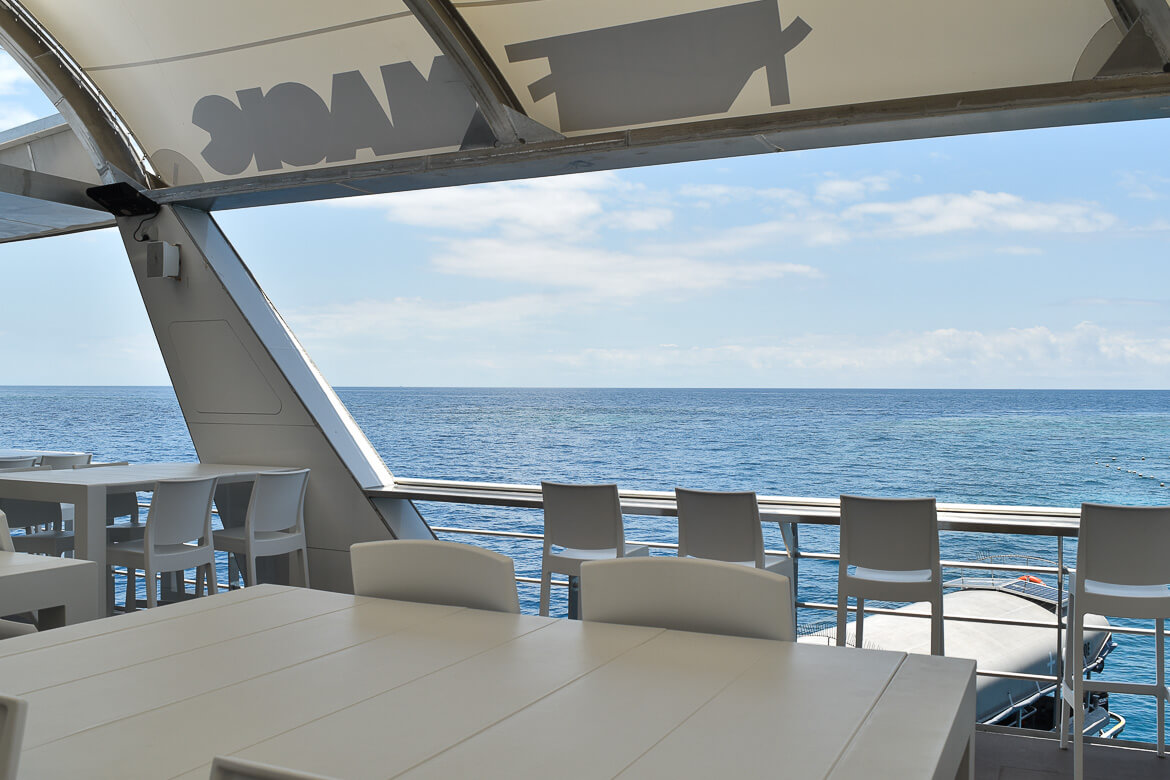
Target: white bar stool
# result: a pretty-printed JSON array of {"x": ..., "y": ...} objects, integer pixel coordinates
[
  {"x": 725, "y": 526},
  {"x": 1123, "y": 570},
  {"x": 892, "y": 543},
  {"x": 586, "y": 522}
]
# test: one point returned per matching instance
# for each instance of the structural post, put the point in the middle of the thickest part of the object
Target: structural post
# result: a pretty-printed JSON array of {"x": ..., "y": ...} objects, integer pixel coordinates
[{"x": 251, "y": 395}]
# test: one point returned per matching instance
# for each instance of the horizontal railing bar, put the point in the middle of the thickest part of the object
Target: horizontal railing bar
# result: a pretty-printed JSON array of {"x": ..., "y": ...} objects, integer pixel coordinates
[
  {"x": 799, "y": 554},
  {"x": 982, "y": 518},
  {"x": 487, "y": 532},
  {"x": 1044, "y": 678},
  {"x": 974, "y": 619}
]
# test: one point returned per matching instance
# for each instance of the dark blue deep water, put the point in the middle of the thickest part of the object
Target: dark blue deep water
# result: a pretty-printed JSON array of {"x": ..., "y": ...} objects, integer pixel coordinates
[{"x": 1021, "y": 447}]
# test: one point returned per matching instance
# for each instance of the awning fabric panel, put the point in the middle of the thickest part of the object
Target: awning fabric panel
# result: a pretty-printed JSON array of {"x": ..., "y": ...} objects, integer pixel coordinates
[
  {"x": 218, "y": 90},
  {"x": 224, "y": 88},
  {"x": 582, "y": 67}
]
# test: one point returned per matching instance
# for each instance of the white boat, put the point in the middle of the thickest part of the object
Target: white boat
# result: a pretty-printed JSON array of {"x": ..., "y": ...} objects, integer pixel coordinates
[{"x": 1021, "y": 651}]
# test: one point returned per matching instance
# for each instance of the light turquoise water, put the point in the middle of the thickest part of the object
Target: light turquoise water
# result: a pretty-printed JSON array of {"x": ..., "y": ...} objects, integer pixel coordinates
[{"x": 1052, "y": 448}]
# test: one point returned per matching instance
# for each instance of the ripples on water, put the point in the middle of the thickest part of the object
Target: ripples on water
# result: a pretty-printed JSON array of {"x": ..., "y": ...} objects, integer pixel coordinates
[{"x": 1022, "y": 447}]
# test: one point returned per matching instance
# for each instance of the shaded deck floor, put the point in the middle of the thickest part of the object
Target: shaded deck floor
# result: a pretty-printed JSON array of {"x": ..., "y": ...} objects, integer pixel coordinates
[{"x": 1011, "y": 757}]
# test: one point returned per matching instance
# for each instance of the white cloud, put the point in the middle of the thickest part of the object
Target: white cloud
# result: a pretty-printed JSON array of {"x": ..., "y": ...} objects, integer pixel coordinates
[
  {"x": 399, "y": 319},
  {"x": 13, "y": 115},
  {"x": 836, "y": 190},
  {"x": 13, "y": 79},
  {"x": 978, "y": 210},
  {"x": 722, "y": 193},
  {"x": 946, "y": 353},
  {"x": 600, "y": 272},
  {"x": 572, "y": 206},
  {"x": 1144, "y": 185}
]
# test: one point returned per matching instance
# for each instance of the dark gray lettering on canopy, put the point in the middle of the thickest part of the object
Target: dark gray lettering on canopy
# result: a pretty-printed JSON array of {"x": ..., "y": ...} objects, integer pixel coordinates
[
  {"x": 676, "y": 67},
  {"x": 291, "y": 124}
]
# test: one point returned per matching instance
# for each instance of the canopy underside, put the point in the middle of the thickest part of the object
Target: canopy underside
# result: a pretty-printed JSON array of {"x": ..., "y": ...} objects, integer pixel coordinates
[{"x": 231, "y": 104}]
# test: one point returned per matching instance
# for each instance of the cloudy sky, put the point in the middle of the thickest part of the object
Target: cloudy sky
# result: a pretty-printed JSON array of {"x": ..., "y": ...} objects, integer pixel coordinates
[{"x": 1033, "y": 259}]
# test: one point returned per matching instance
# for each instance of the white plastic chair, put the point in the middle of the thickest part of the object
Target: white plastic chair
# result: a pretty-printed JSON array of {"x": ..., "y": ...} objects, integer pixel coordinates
[
  {"x": 435, "y": 572},
  {"x": 1123, "y": 570},
  {"x": 8, "y": 464},
  {"x": 13, "y": 713},
  {"x": 892, "y": 543},
  {"x": 66, "y": 461},
  {"x": 725, "y": 526},
  {"x": 231, "y": 768},
  {"x": 180, "y": 512},
  {"x": 585, "y": 521},
  {"x": 689, "y": 594},
  {"x": 275, "y": 523}
]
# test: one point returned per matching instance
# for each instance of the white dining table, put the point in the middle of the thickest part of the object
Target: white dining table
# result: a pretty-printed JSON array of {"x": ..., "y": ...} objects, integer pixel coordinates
[
  {"x": 352, "y": 687},
  {"x": 86, "y": 490}
]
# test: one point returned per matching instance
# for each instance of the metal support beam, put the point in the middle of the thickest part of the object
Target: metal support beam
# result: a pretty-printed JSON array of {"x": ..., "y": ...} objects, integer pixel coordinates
[
  {"x": 1016, "y": 108},
  {"x": 1154, "y": 15},
  {"x": 250, "y": 394},
  {"x": 497, "y": 102},
  {"x": 93, "y": 123}
]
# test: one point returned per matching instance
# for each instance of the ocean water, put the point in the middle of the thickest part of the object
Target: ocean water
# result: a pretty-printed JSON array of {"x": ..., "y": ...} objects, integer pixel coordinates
[{"x": 1020, "y": 447}]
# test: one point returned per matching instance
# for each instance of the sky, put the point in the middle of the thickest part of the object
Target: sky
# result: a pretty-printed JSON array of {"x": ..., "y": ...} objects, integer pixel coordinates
[{"x": 1032, "y": 259}]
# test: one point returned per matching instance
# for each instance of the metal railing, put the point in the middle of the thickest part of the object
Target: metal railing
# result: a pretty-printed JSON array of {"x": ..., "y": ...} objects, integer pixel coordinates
[{"x": 1058, "y": 523}]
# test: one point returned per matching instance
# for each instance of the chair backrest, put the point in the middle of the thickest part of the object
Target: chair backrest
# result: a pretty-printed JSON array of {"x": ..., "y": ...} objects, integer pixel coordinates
[
  {"x": 13, "y": 713},
  {"x": 584, "y": 517},
  {"x": 435, "y": 573},
  {"x": 1124, "y": 545},
  {"x": 17, "y": 463},
  {"x": 890, "y": 534},
  {"x": 5, "y": 537},
  {"x": 23, "y": 513},
  {"x": 92, "y": 465},
  {"x": 66, "y": 461},
  {"x": 180, "y": 511},
  {"x": 231, "y": 768},
  {"x": 688, "y": 594},
  {"x": 719, "y": 526},
  {"x": 278, "y": 501}
]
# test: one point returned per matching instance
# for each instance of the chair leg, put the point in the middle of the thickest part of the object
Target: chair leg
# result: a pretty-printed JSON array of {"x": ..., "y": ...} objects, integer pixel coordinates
[
  {"x": 1078, "y": 698},
  {"x": 842, "y": 617},
  {"x": 151, "y": 589},
  {"x": 212, "y": 586},
  {"x": 545, "y": 587},
  {"x": 131, "y": 589},
  {"x": 1067, "y": 680},
  {"x": 858, "y": 639},
  {"x": 252, "y": 578},
  {"x": 936, "y": 627},
  {"x": 305, "y": 564},
  {"x": 110, "y": 588}
]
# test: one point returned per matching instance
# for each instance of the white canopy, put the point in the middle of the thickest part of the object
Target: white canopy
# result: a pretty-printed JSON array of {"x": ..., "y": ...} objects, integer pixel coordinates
[{"x": 276, "y": 93}]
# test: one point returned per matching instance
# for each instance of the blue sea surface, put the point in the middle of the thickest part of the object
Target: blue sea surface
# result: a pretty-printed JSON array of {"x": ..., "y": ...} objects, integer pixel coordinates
[{"x": 1016, "y": 447}]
